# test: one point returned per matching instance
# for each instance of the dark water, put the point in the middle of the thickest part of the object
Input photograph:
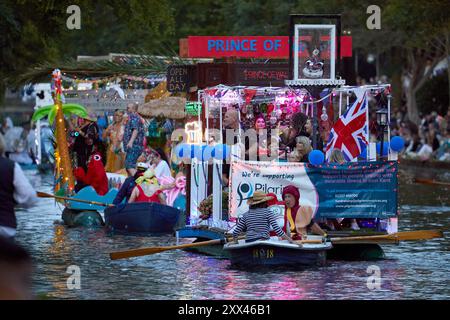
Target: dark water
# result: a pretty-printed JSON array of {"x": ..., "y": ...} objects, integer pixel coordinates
[{"x": 412, "y": 270}]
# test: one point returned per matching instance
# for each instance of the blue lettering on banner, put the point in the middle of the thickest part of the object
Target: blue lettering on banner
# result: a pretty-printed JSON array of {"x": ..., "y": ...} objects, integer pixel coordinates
[
  {"x": 243, "y": 45},
  {"x": 211, "y": 44},
  {"x": 253, "y": 45},
  {"x": 268, "y": 45}
]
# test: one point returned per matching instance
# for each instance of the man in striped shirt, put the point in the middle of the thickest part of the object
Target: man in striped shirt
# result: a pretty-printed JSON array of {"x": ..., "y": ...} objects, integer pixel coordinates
[{"x": 258, "y": 220}]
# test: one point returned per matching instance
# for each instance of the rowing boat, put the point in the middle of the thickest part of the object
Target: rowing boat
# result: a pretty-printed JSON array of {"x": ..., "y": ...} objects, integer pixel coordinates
[
  {"x": 141, "y": 218},
  {"x": 274, "y": 252}
]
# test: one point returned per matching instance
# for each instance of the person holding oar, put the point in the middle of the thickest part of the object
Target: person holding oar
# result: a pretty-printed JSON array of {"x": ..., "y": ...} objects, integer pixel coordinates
[
  {"x": 128, "y": 185},
  {"x": 258, "y": 220}
]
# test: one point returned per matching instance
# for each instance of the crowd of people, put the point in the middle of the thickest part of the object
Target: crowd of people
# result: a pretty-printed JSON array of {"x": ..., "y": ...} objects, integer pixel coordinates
[{"x": 430, "y": 140}]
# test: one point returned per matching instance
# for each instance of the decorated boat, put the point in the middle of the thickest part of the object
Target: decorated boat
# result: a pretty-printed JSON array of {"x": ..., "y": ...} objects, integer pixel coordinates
[
  {"x": 141, "y": 218},
  {"x": 276, "y": 252}
]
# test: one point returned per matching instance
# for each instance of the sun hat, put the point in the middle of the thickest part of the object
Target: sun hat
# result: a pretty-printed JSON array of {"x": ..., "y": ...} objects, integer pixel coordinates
[
  {"x": 142, "y": 166},
  {"x": 258, "y": 197}
]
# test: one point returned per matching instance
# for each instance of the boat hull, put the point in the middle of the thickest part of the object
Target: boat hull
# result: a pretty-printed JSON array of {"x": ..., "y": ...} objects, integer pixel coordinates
[
  {"x": 277, "y": 253},
  {"x": 141, "y": 218},
  {"x": 76, "y": 218},
  {"x": 205, "y": 234}
]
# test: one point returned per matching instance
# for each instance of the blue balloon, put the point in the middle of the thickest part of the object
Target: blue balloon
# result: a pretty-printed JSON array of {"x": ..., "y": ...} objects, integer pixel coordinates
[
  {"x": 316, "y": 157},
  {"x": 183, "y": 150},
  {"x": 208, "y": 153},
  {"x": 385, "y": 148},
  {"x": 221, "y": 151},
  {"x": 195, "y": 151},
  {"x": 397, "y": 143}
]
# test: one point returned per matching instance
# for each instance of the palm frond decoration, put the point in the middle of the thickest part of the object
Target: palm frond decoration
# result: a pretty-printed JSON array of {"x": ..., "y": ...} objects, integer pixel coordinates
[
  {"x": 137, "y": 63},
  {"x": 50, "y": 112}
]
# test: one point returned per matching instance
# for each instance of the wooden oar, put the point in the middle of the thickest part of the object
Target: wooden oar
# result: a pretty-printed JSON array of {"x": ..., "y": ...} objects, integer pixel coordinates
[
  {"x": 153, "y": 250},
  {"x": 432, "y": 182},
  {"x": 48, "y": 195},
  {"x": 399, "y": 236}
]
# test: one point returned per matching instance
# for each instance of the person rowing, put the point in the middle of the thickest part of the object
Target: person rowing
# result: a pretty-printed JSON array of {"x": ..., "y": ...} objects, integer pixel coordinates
[{"x": 258, "y": 220}]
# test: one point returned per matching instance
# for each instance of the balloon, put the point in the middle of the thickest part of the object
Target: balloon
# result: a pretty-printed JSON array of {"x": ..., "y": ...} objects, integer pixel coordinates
[
  {"x": 397, "y": 143},
  {"x": 195, "y": 151},
  {"x": 316, "y": 157},
  {"x": 385, "y": 148},
  {"x": 198, "y": 152},
  {"x": 208, "y": 153},
  {"x": 183, "y": 150},
  {"x": 221, "y": 151}
]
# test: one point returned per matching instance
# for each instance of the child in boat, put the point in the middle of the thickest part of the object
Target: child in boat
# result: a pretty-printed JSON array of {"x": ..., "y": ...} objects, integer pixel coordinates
[
  {"x": 298, "y": 218},
  {"x": 147, "y": 189},
  {"x": 258, "y": 220}
]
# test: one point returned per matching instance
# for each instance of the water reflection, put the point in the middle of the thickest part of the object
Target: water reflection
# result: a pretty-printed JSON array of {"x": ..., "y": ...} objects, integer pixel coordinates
[{"x": 414, "y": 270}]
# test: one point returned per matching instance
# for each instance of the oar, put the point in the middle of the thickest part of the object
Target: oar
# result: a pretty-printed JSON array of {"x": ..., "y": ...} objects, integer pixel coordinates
[
  {"x": 399, "y": 236},
  {"x": 48, "y": 195},
  {"x": 153, "y": 250},
  {"x": 430, "y": 181}
]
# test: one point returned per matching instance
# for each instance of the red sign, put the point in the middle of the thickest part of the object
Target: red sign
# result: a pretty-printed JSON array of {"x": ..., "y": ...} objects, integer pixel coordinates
[{"x": 249, "y": 46}]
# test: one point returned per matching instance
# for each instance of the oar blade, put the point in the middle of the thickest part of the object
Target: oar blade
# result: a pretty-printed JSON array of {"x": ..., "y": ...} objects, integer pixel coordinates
[{"x": 419, "y": 235}]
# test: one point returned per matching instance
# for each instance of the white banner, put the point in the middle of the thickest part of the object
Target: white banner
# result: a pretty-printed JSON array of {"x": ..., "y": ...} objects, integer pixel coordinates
[{"x": 269, "y": 177}]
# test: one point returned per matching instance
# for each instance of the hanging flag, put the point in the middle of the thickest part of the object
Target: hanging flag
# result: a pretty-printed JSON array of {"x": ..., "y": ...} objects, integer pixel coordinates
[{"x": 350, "y": 130}]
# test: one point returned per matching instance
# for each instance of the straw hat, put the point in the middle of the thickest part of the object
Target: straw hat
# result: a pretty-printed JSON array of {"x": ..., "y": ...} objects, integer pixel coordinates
[
  {"x": 90, "y": 115},
  {"x": 258, "y": 197}
]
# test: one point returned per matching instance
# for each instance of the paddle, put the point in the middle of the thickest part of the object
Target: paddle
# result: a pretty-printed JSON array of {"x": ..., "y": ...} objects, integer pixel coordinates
[
  {"x": 48, "y": 195},
  {"x": 430, "y": 181},
  {"x": 399, "y": 236},
  {"x": 153, "y": 250}
]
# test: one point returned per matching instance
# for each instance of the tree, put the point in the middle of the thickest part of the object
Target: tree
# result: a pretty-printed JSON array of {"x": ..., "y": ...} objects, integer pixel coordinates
[{"x": 424, "y": 35}]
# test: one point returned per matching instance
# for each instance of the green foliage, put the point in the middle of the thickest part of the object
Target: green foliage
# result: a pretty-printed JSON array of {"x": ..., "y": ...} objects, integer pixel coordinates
[{"x": 433, "y": 96}]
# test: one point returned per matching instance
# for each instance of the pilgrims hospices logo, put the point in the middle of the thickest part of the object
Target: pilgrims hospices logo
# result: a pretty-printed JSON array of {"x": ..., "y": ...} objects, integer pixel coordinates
[{"x": 244, "y": 191}]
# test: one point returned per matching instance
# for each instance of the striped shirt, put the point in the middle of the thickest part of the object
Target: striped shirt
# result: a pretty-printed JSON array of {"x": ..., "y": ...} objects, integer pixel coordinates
[{"x": 257, "y": 223}]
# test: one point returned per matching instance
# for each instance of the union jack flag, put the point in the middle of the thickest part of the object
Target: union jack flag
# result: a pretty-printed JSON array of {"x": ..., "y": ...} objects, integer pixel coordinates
[{"x": 350, "y": 131}]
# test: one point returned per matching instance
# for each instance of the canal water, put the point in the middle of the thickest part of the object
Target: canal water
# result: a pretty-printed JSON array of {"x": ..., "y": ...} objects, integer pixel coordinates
[{"x": 412, "y": 270}]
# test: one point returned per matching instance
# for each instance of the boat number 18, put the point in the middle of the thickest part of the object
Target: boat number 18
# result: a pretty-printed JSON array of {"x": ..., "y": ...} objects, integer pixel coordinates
[{"x": 263, "y": 254}]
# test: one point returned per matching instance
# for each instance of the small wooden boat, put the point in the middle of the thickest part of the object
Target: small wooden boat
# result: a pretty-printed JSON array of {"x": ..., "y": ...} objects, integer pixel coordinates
[
  {"x": 275, "y": 252},
  {"x": 141, "y": 218}
]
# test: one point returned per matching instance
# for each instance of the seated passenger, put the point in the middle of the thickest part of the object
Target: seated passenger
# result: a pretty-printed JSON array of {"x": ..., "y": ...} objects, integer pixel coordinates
[
  {"x": 299, "y": 218},
  {"x": 128, "y": 185},
  {"x": 147, "y": 189}
]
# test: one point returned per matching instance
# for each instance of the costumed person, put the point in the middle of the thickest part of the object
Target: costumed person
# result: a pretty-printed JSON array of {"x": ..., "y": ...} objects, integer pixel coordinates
[
  {"x": 147, "y": 189},
  {"x": 258, "y": 220},
  {"x": 86, "y": 139},
  {"x": 133, "y": 138},
  {"x": 115, "y": 157},
  {"x": 130, "y": 182},
  {"x": 15, "y": 189},
  {"x": 95, "y": 176},
  {"x": 173, "y": 187},
  {"x": 298, "y": 218}
]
